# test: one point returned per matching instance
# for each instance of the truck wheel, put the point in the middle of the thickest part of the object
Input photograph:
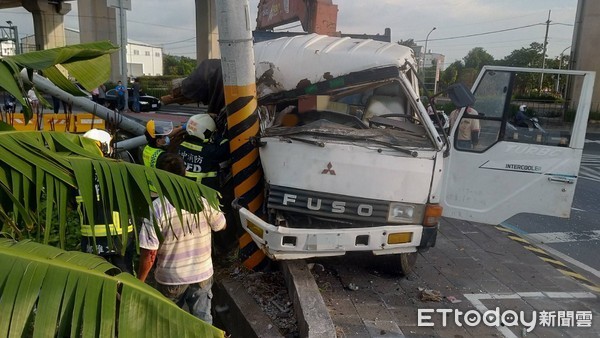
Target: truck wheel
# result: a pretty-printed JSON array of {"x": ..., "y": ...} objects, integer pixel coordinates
[
  {"x": 407, "y": 263},
  {"x": 397, "y": 264}
]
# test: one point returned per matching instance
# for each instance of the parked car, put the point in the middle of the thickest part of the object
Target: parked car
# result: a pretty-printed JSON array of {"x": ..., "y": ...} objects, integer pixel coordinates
[{"x": 147, "y": 102}]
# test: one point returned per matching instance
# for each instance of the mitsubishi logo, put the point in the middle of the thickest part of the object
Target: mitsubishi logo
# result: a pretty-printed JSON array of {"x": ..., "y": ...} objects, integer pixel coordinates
[{"x": 328, "y": 170}]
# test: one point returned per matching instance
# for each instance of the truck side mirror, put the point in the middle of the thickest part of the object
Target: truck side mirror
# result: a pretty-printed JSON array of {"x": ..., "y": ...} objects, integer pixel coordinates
[{"x": 460, "y": 95}]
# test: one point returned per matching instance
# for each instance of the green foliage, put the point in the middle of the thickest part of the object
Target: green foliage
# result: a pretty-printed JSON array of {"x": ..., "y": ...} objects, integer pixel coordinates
[
  {"x": 477, "y": 58},
  {"x": 539, "y": 97},
  {"x": 88, "y": 63},
  {"x": 158, "y": 85},
  {"x": 178, "y": 65},
  {"x": 49, "y": 292}
]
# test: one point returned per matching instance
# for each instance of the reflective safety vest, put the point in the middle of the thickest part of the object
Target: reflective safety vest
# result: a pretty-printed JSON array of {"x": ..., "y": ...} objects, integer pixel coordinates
[
  {"x": 150, "y": 157},
  {"x": 99, "y": 230}
]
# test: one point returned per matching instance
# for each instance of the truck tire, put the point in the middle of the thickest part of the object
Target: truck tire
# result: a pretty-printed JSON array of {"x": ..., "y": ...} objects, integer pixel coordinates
[
  {"x": 397, "y": 264},
  {"x": 407, "y": 263}
]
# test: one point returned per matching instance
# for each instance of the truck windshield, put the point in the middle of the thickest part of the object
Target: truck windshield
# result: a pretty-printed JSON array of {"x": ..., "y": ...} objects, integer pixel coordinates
[{"x": 375, "y": 113}]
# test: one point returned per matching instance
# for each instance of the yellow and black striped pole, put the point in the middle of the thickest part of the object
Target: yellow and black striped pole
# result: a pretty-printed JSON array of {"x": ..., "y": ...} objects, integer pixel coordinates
[{"x": 237, "y": 63}]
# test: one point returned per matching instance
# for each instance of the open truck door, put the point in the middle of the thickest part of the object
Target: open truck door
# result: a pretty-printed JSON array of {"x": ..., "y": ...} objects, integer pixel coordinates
[{"x": 516, "y": 166}]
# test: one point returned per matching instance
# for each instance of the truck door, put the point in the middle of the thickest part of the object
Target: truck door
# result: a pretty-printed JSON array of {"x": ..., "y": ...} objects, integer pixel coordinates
[{"x": 512, "y": 167}]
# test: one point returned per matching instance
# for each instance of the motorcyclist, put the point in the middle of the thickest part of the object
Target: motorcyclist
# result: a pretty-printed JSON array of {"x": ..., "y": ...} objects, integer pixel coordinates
[{"x": 521, "y": 118}]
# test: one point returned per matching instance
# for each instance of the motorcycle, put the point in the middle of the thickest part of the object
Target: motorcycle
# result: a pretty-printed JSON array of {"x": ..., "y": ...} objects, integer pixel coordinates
[{"x": 526, "y": 130}]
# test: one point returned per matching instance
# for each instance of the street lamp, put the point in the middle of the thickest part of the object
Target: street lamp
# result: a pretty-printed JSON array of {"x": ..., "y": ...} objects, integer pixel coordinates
[
  {"x": 560, "y": 61},
  {"x": 425, "y": 53},
  {"x": 14, "y": 35}
]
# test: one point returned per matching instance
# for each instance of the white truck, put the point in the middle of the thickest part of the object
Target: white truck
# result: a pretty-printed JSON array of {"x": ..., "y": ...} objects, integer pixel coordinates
[{"x": 353, "y": 162}]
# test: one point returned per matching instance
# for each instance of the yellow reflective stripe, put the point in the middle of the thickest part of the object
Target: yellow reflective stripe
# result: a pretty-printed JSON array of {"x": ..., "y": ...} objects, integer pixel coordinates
[
  {"x": 200, "y": 176},
  {"x": 192, "y": 146},
  {"x": 100, "y": 230}
]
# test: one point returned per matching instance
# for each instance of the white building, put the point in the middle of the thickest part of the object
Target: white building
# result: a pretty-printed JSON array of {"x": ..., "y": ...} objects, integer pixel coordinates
[
  {"x": 142, "y": 58},
  {"x": 7, "y": 47}
]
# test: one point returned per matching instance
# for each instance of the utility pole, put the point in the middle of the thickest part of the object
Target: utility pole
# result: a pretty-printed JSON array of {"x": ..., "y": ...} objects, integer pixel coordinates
[
  {"x": 544, "y": 52},
  {"x": 123, "y": 29},
  {"x": 239, "y": 82}
]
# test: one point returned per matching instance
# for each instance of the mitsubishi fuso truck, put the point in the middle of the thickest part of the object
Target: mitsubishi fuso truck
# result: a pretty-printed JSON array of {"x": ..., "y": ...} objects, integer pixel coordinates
[{"x": 353, "y": 162}]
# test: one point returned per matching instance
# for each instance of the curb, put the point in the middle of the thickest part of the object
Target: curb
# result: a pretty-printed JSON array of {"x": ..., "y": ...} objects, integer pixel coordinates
[
  {"x": 311, "y": 313},
  {"x": 239, "y": 313}
]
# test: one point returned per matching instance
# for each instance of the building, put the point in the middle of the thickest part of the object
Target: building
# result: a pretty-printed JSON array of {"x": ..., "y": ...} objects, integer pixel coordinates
[
  {"x": 142, "y": 59},
  {"x": 433, "y": 65},
  {"x": 7, "y": 47},
  {"x": 7, "y": 41}
]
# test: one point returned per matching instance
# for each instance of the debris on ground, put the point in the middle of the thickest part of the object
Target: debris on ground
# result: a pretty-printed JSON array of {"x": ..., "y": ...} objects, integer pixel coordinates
[
  {"x": 269, "y": 291},
  {"x": 453, "y": 299},
  {"x": 429, "y": 295}
]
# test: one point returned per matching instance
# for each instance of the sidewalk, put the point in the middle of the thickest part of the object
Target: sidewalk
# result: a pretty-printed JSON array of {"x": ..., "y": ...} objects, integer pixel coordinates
[{"x": 473, "y": 267}]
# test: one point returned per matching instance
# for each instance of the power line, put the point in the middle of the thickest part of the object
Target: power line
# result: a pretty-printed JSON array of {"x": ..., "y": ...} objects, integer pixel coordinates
[
  {"x": 172, "y": 43},
  {"x": 484, "y": 33}
]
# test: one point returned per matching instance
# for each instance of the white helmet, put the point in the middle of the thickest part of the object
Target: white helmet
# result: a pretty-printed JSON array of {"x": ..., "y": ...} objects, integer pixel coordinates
[
  {"x": 201, "y": 126},
  {"x": 523, "y": 107},
  {"x": 100, "y": 136}
]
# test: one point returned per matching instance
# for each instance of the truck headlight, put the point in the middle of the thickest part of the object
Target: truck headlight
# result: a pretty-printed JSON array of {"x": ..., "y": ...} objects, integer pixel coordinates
[{"x": 405, "y": 213}]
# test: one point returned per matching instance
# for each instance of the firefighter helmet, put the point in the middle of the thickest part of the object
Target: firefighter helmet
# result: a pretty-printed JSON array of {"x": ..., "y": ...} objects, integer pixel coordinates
[
  {"x": 102, "y": 137},
  {"x": 201, "y": 126}
]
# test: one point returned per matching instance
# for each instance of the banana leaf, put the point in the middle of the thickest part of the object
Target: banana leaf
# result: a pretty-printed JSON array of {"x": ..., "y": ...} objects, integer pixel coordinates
[
  {"x": 88, "y": 63},
  {"x": 49, "y": 292},
  {"x": 47, "y": 170}
]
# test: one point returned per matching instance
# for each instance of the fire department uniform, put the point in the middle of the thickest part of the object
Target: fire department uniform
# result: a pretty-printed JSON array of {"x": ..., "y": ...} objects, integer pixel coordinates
[{"x": 206, "y": 160}]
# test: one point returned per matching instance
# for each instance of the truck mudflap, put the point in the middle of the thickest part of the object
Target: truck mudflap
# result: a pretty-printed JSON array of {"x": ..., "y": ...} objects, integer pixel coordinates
[
  {"x": 292, "y": 243},
  {"x": 428, "y": 238}
]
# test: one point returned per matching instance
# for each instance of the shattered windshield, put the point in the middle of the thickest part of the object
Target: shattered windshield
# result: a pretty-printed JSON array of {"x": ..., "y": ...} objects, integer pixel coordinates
[{"x": 374, "y": 113}]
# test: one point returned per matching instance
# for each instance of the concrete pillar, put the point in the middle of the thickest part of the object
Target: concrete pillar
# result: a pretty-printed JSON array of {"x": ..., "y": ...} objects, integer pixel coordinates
[
  {"x": 97, "y": 22},
  {"x": 48, "y": 22},
  {"x": 207, "y": 33}
]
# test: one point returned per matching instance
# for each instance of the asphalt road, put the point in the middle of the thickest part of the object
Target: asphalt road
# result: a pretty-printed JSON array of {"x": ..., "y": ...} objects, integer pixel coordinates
[{"x": 577, "y": 239}]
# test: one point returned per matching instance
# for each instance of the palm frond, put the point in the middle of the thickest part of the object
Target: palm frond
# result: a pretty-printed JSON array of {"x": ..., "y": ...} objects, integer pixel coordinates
[
  {"x": 48, "y": 292},
  {"x": 45, "y": 169},
  {"x": 89, "y": 63}
]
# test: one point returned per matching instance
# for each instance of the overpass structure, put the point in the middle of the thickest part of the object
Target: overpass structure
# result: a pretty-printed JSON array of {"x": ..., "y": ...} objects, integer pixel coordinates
[{"x": 99, "y": 22}]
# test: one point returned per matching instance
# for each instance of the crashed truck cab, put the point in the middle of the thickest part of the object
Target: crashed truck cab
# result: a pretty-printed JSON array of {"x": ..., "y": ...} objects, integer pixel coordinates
[{"x": 351, "y": 159}]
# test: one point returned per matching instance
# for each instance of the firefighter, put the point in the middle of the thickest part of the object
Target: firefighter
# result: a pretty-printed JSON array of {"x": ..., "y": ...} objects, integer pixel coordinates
[
  {"x": 106, "y": 223},
  {"x": 205, "y": 153}
]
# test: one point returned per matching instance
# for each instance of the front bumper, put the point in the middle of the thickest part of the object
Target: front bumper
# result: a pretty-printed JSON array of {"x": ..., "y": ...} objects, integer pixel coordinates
[{"x": 294, "y": 243}]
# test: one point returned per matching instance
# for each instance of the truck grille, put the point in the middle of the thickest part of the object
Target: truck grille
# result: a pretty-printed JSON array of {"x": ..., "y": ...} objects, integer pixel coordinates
[{"x": 326, "y": 205}]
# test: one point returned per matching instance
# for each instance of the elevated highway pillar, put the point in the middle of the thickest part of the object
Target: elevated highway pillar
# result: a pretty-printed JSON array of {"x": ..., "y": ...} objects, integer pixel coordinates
[
  {"x": 98, "y": 22},
  {"x": 207, "y": 33},
  {"x": 48, "y": 22}
]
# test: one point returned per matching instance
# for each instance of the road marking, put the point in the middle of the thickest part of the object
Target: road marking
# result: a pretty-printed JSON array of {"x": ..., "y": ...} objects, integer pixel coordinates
[
  {"x": 550, "y": 255},
  {"x": 477, "y": 298},
  {"x": 564, "y": 237},
  {"x": 592, "y": 141}
]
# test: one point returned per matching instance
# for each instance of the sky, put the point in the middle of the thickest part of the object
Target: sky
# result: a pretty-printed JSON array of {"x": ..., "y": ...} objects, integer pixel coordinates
[{"x": 461, "y": 25}]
